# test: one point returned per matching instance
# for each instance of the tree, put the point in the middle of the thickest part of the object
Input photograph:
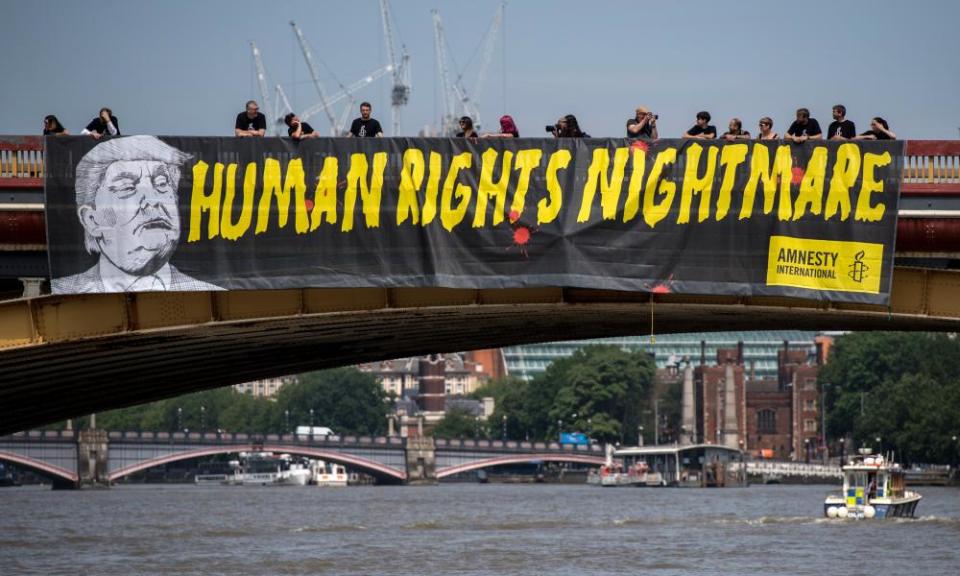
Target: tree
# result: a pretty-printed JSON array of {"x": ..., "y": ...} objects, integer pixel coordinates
[
  {"x": 459, "y": 423},
  {"x": 345, "y": 399}
]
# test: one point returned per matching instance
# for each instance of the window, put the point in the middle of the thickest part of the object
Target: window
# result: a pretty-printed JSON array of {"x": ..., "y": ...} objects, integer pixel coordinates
[
  {"x": 766, "y": 422},
  {"x": 810, "y": 405},
  {"x": 809, "y": 425},
  {"x": 810, "y": 384}
]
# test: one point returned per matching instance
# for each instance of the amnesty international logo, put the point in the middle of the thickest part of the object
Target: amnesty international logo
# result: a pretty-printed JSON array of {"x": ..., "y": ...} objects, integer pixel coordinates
[
  {"x": 858, "y": 270},
  {"x": 829, "y": 265}
]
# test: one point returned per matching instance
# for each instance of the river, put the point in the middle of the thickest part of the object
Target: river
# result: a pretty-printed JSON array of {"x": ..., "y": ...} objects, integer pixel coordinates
[{"x": 464, "y": 529}]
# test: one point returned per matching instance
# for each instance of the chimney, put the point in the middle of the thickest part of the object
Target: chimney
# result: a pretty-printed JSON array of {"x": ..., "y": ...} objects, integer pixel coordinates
[
  {"x": 740, "y": 352},
  {"x": 688, "y": 429},
  {"x": 703, "y": 352},
  {"x": 731, "y": 436}
]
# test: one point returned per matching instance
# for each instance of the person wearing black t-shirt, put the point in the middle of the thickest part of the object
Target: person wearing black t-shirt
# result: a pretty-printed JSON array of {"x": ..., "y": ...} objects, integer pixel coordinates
[
  {"x": 735, "y": 131},
  {"x": 104, "y": 123},
  {"x": 466, "y": 129},
  {"x": 702, "y": 130},
  {"x": 879, "y": 130},
  {"x": 250, "y": 122},
  {"x": 298, "y": 130},
  {"x": 365, "y": 126},
  {"x": 803, "y": 128},
  {"x": 841, "y": 128}
]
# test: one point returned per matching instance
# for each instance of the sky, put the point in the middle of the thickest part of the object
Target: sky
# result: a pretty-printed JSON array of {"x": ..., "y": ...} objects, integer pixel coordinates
[{"x": 181, "y": 67}]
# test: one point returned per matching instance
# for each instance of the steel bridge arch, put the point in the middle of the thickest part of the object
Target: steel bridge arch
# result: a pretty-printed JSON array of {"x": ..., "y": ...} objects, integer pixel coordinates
[
  {"x": 376, "y": 469},
  {"x": 518, "y": 459},
  {"x": 39, "y": 466}
]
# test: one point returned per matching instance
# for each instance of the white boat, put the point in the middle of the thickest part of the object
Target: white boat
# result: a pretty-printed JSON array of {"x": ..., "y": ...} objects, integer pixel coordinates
[
  {"x": 613, "y": 474},
  {"x": 328, "y": 473},
  {"x": 873, "y": 487}
]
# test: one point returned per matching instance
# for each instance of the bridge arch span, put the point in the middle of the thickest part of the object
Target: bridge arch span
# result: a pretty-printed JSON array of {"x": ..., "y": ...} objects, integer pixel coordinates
[
  {"x": 518, "y": 459},
  {"x": 376, "y": 469},
  {"x": 39, "y": 466}
]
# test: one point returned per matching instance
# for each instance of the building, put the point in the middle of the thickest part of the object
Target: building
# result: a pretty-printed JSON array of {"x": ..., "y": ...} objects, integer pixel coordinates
[
  {"x": 776, "y": 417},
  {"x": 463, "y": 373},
  {"x": 760, "y": 349},
  {"x": 266, "y": 388}
]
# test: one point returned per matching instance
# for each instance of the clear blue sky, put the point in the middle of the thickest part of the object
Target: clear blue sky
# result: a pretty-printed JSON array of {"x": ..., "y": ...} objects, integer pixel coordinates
[{"x": 181, "y": 67}]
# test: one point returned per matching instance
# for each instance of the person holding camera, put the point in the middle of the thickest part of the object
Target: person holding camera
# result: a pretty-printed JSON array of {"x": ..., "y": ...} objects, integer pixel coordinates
[
  {"x": 643, "y": 125},
  {"x": 104, "y": 123},
  {"x": 567, "y": 127},
  {"x": 298, "y": 130}
]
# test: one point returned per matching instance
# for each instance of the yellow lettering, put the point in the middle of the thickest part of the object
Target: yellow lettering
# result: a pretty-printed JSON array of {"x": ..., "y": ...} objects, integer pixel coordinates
[
  {"x": 325, "y": 194},
  {"x": 433, "y": 189},
  {"x": 450, "y": 216},
  {"x": 653, "y": 212},
  {"x": 760, "y": 169},
  {"x": 370, "y": 194},
  {"x": 811, "y": 186},
  {"x": 865, "y": 212},
  {"x": 693, "y": 185},
  {"x": 731, "y": 156},
  {"x": 548, "y": 208},
  {"x": 234, "y": 230},
  {"x": 487, "y": 187},
  {"x": 609, "y": 188},
  {"x": 845, "y": 171},
  {"x": 200, "y": 202},
  {"x": 526, "y": 161},
  {"x": 632, "y": 206},
  {"x": 411, "y": 178}
]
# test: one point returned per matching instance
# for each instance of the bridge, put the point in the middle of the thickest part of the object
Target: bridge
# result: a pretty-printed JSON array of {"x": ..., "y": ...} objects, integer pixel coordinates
[
  {"x": 125, "y": 349},
  {"x": 97, "y": 457}
]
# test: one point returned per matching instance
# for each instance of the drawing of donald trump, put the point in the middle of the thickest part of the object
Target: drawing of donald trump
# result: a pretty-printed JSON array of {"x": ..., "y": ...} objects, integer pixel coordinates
[{"x": 127, "y": 203}]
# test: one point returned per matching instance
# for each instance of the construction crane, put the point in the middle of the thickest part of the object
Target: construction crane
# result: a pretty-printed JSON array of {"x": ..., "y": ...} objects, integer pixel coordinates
[
  {"x": 347, "y": 93},
  {"x": 261, "y": 75},
  {"x": 315, "y": 76},
  {"x": 454, "y": 95},
  {"x": 400, "y": 93}
]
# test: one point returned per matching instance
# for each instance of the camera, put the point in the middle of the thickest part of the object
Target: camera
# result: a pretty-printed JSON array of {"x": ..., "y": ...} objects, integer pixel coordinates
[{"x": 551, "y": 128}]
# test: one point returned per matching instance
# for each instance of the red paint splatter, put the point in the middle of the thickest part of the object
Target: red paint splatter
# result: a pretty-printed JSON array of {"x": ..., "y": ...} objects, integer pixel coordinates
[
  {"x": 661, "y": 287},
  {"x": 640, "y": 145},
  {"x": 797, "y": 175},
  {"x": 308, "y": 203},
  {"x": 514, "y": 216},
  {"x": 521, "y": 235}
]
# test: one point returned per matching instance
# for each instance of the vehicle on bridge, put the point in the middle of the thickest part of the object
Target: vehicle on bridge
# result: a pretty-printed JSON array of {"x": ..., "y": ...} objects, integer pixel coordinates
[{"x": 873, "y": 487}]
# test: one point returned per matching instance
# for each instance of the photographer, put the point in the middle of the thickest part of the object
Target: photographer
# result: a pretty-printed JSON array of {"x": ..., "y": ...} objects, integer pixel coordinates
[
  {"x": 643, "y": 125},
  {"x": 567, "y": 127}
]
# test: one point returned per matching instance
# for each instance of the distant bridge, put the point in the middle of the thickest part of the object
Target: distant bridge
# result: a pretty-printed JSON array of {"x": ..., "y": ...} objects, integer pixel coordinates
[{"x": 92, "y": 457}]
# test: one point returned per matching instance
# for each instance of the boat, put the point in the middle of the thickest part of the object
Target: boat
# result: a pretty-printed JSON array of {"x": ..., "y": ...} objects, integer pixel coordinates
[
  {"x": 612, "y": 473},
  {"x": 264, "y": 469},
  {"x": 686, "y": 465},
  {"x": 328, "y": 473},
  {"x": 873, "y": 487}
]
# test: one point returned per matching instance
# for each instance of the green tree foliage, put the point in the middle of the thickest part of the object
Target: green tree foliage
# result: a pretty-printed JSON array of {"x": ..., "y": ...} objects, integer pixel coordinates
[
  {"x": 903, "y": 388},
  {"x": 344, "y": 399},
  {"x": 601, "y": 390},
  {"x": 459, "y": 423}
]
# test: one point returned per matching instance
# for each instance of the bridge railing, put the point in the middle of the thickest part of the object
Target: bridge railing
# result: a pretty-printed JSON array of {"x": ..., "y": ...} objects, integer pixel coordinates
[
  {"x": 927, "y": 163},
  {"x": 522, "y": 446}
]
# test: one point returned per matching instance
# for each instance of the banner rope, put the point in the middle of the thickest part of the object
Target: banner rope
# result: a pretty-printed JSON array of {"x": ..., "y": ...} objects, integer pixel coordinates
[{"x": 653, "y": 338}]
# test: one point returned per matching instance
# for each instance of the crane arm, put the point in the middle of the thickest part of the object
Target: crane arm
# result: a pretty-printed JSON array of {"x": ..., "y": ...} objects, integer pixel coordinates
[
  {"x": 314, "y": 75},
  {"x": 261, "y": 75}
]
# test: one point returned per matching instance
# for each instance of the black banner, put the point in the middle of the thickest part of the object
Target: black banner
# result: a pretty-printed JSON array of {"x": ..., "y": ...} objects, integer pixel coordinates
[{"x": 138, "y": 213}]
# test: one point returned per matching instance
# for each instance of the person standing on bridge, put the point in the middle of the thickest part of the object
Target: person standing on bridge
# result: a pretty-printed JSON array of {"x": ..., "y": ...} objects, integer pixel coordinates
[
  {"x": 365, "y": 126},
  {"x": 250, "y": 122},
  {"x": 104, "y": 123},
  {"x": 841, "y": 128},
  {"x": 803, "y": 128},
  {"x": 766, "y": 130},
  {"x": 127, "y": 204},
  {"x": 643, "y": 124},
  {"x": 702, "y": 130},
  {"x": 879, "y": 130},
  {"x": 298, "y": 130}
]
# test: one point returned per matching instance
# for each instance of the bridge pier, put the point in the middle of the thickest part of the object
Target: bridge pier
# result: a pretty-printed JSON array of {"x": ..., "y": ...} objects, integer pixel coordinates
[
  {"x": 421, "y": 459},
  {"x": 92, "y": 459}
]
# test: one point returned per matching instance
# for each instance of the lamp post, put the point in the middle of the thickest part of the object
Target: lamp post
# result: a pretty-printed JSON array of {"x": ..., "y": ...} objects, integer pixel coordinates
[
  {"x": 286, "y": 418},
  {"x": 640, "y": 435},
  {"x": 806, "y": 449},
  {"x": 656, "y": 422},
  {"x": 879, "y": 445},
  {"x": 476, "y": 427},
  {"x": 179, "y": 419},
  {"x": 203, "y": 419},
  {"x": 311, "y": 424},
  {"x": 843, "y": 454},
  {"x": 823, "y": 419},
  {"x": 504, "y": 420}
]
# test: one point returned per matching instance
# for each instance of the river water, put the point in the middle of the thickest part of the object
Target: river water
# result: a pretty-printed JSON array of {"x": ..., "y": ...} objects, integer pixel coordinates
[{"x": 464, "y": 529}]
